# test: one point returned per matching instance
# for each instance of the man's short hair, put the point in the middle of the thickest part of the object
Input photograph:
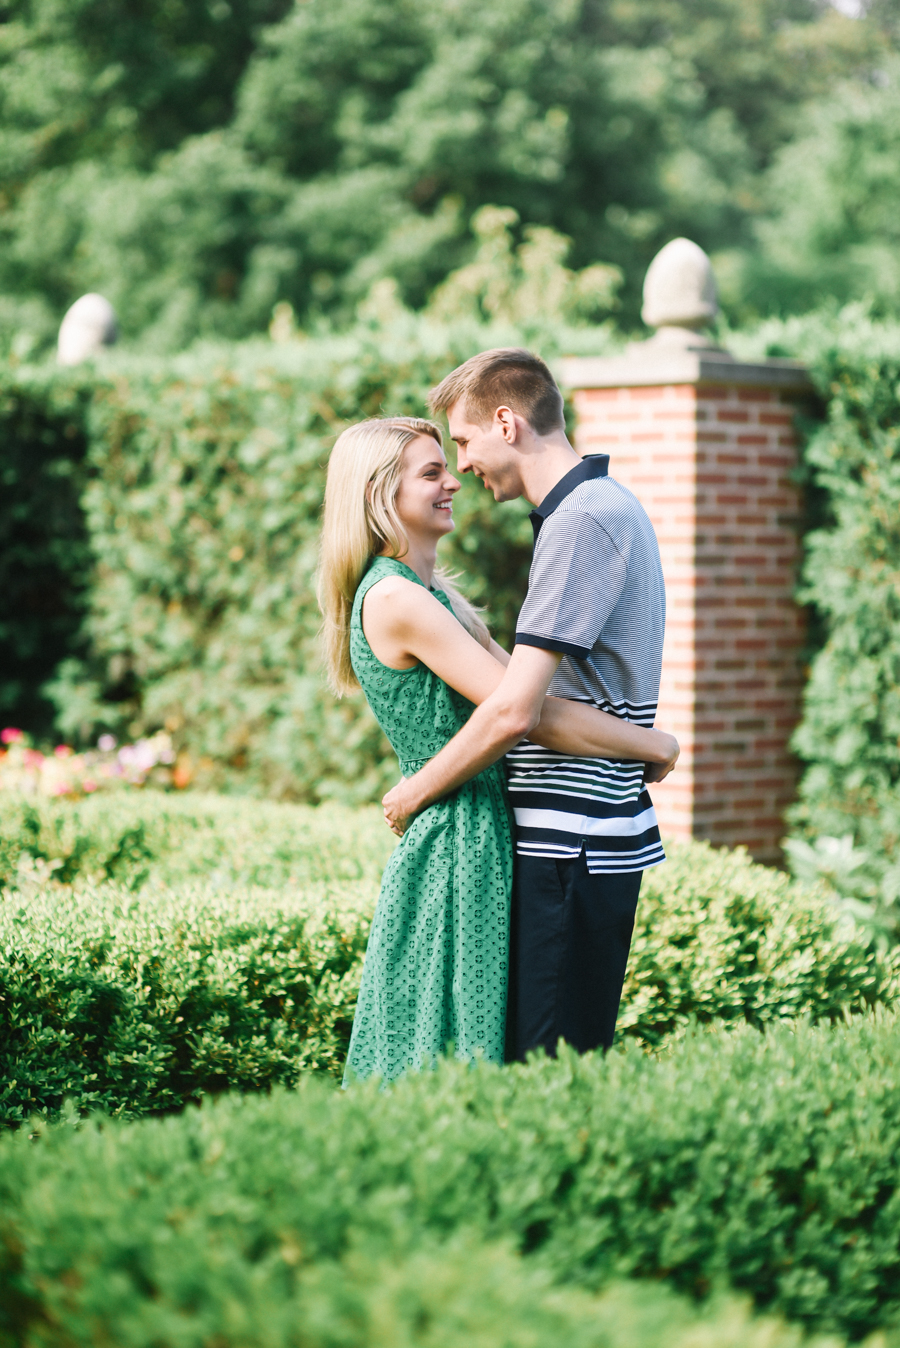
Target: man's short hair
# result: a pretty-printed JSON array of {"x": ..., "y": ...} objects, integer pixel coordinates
[{"x": 507, "y": 377}]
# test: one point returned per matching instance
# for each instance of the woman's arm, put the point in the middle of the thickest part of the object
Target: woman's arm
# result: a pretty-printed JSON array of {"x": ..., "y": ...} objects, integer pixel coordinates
[{"x": 405, "y": 625}]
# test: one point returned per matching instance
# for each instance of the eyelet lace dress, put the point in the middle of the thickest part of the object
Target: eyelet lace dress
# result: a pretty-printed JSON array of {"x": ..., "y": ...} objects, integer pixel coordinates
[{"x": 436, "y": 965}]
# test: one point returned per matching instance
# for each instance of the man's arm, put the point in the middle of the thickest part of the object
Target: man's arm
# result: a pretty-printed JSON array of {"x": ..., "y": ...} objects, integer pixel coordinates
[{"x": 504, "y": 718}]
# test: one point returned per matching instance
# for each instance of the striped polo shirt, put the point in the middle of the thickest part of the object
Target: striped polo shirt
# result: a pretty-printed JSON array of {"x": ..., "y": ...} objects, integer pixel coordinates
[{"x": 596, "y": 595}]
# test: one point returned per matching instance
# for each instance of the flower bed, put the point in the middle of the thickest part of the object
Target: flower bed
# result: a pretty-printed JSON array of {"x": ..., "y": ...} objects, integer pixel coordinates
[{"x": 67, "y": 773}]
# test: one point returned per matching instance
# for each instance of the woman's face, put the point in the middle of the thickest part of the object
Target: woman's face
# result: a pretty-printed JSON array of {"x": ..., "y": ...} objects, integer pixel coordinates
[{"x": 425, "y": 497}]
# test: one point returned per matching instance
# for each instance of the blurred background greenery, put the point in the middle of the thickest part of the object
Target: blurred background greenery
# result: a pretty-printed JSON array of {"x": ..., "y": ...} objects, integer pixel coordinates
[
  {"x": 306, "y": 211},
  {"x": 200, "y": 162}
]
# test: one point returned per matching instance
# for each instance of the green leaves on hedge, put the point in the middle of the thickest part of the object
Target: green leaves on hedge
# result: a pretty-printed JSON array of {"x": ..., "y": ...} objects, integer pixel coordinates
[
  {"x": 205, "y": 483},
  {"x": 767, "y": 1162},
  {"x": 850, "y": 734},
  {"x": 236, "y": 965}
]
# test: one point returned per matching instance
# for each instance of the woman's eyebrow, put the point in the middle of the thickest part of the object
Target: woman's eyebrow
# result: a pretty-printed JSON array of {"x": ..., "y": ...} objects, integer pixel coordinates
[{"x": 436, "y": 463}]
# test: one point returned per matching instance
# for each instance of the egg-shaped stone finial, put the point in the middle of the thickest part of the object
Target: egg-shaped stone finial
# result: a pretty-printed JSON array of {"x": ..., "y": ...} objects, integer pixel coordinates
[
  {"x": 89, "y": 325},
  {"x": 680, "y": 293}
]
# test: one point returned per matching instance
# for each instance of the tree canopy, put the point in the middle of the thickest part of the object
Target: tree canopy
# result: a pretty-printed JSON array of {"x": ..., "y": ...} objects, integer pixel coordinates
[{"x": 200, "y": 163}]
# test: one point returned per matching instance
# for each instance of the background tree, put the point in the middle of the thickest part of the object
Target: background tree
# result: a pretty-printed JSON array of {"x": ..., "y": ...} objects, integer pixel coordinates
[{"x": 199, "y": 164}]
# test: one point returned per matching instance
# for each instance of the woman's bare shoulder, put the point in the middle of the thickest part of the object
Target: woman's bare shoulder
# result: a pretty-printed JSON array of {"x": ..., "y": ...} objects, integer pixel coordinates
[{"x": 394, "y": 597}]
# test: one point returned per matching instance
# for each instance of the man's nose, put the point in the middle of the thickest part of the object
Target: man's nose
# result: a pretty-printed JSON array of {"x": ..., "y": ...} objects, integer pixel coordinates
[{"x": 462, "y": 463}]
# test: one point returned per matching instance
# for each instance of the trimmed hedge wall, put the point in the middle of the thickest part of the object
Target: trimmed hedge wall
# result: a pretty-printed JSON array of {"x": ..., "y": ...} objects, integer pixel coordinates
[
  {"x": 45, "y": 556},
  {"x": 222, "y": 841},
  {"x": 236, "y": 966},
  {"x": 321, "y": 1217},
  {"x": 850, "y": 734},
  {"x": 202, "y": 485}
]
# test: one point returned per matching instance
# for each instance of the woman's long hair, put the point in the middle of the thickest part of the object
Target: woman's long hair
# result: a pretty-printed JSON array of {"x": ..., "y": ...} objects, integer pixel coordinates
[{"x": 360, "y": 521}]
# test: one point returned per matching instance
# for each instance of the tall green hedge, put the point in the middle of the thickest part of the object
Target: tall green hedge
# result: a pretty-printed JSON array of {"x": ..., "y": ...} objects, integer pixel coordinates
[
  {"x": 320, "y": 1218},
  {"x": 45, "y": 552},
  {"x": 203, "y": 482},
  {"x": 849, "y": 737}
]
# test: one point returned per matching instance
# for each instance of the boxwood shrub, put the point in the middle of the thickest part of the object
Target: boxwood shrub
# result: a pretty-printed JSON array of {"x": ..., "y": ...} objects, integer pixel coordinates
[
  {"x": 767, "y": 1162},
  {"x": 236, "y": 964},
  {"x": 130, "y": 835}
]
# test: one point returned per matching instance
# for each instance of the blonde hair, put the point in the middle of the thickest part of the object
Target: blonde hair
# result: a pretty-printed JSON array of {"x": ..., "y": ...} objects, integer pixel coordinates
[{"x": 360, "y": 521}]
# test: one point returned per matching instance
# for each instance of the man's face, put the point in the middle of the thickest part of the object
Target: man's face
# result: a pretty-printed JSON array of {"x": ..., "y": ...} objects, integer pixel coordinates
[{"x": 487, "y": 452}]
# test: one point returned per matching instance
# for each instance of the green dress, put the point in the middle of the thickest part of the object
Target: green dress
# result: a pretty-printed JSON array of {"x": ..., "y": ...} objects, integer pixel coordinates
[{"x": 436, "y": 964}]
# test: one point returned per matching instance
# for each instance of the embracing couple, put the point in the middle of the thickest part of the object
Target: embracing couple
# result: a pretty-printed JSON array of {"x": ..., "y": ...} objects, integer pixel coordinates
[{"x": 506, "y": 912}]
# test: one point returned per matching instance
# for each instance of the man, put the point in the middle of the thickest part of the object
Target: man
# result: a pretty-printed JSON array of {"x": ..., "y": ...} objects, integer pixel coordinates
[{"x": 591, "y": 629}]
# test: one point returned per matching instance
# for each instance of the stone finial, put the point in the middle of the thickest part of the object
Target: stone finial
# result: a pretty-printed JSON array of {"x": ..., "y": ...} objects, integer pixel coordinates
[
  {"x": 89, "y": 325},
  {"x": 680, "y": 295}
]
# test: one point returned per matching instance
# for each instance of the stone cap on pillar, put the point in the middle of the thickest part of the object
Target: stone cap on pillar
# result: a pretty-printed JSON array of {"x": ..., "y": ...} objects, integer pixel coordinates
[
  {"x": 656, "y": 365},
  {"x": 680, "y": 300}
]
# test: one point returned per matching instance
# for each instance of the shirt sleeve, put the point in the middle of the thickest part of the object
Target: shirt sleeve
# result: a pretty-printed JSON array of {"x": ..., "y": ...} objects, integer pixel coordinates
[{"x": 577, "y": 576}]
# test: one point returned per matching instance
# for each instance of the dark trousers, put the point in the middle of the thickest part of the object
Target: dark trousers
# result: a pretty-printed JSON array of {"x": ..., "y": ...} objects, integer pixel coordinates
[{"x": 570, "y": 937}]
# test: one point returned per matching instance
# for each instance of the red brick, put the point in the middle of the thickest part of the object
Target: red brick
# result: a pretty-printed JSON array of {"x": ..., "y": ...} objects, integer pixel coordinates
[{"x": 712, "y": 467}]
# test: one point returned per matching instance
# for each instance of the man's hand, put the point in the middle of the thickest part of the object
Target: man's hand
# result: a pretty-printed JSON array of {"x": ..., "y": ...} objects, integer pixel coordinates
[
  {"x": 655, "y": 772},
  {"x": 399, "y": 807}
]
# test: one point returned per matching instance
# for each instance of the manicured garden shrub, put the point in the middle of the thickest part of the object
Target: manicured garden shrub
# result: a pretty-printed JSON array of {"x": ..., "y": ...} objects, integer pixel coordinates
[
  {"x": 202, "y": 485},
  {"x": 45, "y": 556},
  {"x": 461, "y": 1293},
  {"x": 206, "y": 943},
  {"x": 320, "y": 1217},
  {"x": 223, "y": 841},
  {"x": 721, "y": 938},
  {"x": 135, "y": 1004}
]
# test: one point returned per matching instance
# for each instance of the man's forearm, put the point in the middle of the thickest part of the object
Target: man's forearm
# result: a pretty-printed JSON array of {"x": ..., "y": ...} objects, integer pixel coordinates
[
  {"x": 510, "y": 713},
  {"x": 489, "y": 733},
  {"x": 579, "y": 729}
]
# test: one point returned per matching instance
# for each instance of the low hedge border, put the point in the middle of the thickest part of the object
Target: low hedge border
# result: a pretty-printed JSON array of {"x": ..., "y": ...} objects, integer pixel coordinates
[
  {"x": 136, "y": 997},
  {"x": 765, "y": 1162}
]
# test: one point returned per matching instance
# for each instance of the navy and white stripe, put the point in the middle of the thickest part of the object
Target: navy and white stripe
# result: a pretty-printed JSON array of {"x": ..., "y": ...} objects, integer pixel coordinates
[{"x": 596, "y": 595}]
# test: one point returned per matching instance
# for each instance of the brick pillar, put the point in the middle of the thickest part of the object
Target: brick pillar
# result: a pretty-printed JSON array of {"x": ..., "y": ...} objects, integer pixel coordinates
[{"x": 707, "y": 445}]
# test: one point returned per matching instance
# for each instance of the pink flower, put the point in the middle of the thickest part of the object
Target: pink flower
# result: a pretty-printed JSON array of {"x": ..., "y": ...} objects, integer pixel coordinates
[
  {"x": 11, "y": 736},
  {"x": 33, "y": 758},
  {"x": 88, "y": 785},
  {"x": 62, "y": 751}
]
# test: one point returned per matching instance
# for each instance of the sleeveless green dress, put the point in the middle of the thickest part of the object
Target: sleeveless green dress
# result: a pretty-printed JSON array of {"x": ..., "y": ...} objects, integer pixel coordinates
[{"x": 436, "y": 965}]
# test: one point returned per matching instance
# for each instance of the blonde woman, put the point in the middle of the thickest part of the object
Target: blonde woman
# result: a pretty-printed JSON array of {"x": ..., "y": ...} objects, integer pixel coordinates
[{"x": 435, "y": 970}]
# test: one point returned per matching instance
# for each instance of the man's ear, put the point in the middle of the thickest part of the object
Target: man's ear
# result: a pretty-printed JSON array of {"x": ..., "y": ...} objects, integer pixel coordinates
[{"x": 505, "y": 420}]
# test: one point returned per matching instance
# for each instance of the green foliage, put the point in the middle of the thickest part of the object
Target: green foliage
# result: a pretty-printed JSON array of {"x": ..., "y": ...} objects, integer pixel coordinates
[
  {"x": 720, "y": 938},
  {"x": 850, "y": 733},
  {"x": 205, "y": 483},
  {"x": 322, "y": 1217},
  {"x": 202, "y": 943},
  {"x": 138, "y": 1003},
  {"x": 44, "y": 549},
  {"x": 200, "y": 163},
  {"x": 217, "y": 840},
  {"x": 516, "y": 284},
  {"x": 832, "y": 233},
  {"x": 134, "y": 997}
]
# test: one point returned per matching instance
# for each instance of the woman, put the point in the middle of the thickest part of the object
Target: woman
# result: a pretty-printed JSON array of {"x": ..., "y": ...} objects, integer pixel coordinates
[{"x": 436, "y": 964}]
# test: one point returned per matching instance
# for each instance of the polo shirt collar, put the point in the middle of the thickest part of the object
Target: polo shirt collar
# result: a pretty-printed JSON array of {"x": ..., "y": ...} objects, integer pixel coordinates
[{"x": 592, "y": 465}]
